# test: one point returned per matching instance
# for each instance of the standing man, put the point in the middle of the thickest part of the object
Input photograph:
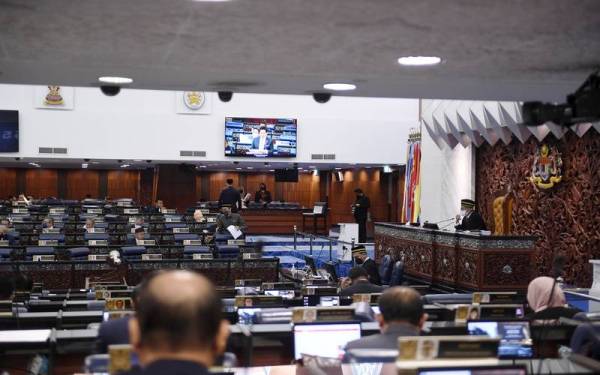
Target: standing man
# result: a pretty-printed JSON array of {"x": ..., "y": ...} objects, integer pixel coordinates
[
  {"x": 230, "y": 196},
  {"x": 360, "y": 209},
  {"x": 471, "y": 219}
]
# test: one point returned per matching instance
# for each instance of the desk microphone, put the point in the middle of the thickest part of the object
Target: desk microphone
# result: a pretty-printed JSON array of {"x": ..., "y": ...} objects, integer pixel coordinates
[{"x": 443, "y": 221}]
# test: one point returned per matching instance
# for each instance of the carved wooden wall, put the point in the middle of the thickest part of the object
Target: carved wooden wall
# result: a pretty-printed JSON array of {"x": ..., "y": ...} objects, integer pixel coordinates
[{"x": 565, "y": 218}]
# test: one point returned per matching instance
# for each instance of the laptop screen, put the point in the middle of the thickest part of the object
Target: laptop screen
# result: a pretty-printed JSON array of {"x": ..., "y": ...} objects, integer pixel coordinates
[
  {"x": 285, "y": 294},
  {"x": 515, "y": 337},
  {"x": 324, "y": 340},
  {"x": 492, "y": 370}
]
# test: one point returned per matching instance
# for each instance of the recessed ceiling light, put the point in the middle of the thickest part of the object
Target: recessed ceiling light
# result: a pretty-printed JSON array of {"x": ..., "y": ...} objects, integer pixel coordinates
[
  {"x": 419, "y": 60},
  {"x": 239, "y": 169},
  {"x": 115, "y": 80},
  {"x": 124, "y": 165},
  {"x": 250, "y": 167},
  {"x": 339, "y": 86},
  {"x": 84, "y": 165},
  {"x": 202, "y": 166},
  {"x": 271, "y": 170}
]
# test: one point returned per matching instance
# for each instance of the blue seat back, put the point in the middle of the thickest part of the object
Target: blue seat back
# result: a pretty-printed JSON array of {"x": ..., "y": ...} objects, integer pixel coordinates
[
  {"x": 185, "y": 236},
  {"x": 52, "y": 236},
  {"x": 397, "y": 277},
  {"x": 228, "y": 251},
  {"x": 79, "y": 252},
  {"x": 385, "y": 269},
  {"x": 96, "y": 236}
]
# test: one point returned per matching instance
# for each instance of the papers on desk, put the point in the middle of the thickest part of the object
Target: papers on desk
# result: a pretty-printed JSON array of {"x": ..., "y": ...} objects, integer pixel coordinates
[
  {"x": 30, "y": 335},
  {"x": 234, "y": 231}
]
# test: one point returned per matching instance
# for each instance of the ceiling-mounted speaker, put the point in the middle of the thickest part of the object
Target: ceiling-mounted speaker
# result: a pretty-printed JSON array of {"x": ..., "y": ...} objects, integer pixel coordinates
[
  {"x": 225, "y": 96},
  {"x": 321, "y": 97},
  {"x": 110, "y": 90}
]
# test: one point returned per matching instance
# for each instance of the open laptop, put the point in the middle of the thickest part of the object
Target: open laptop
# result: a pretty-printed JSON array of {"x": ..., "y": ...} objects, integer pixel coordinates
[
  {"x": 285, "y": 294},
  {"x": 515, "y": 336},
  {"x": 487, "y": 370},
  {"x": 324, "y": 339}
]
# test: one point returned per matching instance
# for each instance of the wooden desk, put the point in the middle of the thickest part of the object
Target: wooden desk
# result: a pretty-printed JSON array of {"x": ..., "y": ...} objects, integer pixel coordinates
[
  {"x": 273, "y": 221},
  {"x": 461, "y": 260}
]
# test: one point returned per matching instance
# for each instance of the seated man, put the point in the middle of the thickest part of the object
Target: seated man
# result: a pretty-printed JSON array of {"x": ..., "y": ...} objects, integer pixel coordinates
[
  {"x": 139, "y": 222},
  {"x": 359, "y": 253},
  {"x": 401, "y": 314},
  {"x": 8, "y": 234},
  {"x": 227, "y": 218},
  {"x": 139, "y": 235},
  {"x": 89, "y": 225},
  {"x": 198, "y": 216},
  {"x": 48, "y": 223},
  {"x": 7, "y": 288},
  {"x": 359, "y": 283},
  {"x": 178, "y": 326}
]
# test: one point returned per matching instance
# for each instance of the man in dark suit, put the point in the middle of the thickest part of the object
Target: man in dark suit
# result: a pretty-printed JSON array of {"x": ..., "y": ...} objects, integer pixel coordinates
[
  {"x": 178, "y": 326},
  {"x": 471, "y": 219},
  {"x": 262, "y": 144},
  {"x": 359, "y": 253},
  {"x": 360, "y": 283},
  {"x": 401, "y": 314},
  {"x": 360, "y": 209},
  {"x": 230, "y": 196}
]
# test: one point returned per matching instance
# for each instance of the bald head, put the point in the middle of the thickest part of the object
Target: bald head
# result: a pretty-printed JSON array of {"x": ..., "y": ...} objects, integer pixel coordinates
[
  {"x": 178, "y": 310},
  {"x": 401, "y": 304}
]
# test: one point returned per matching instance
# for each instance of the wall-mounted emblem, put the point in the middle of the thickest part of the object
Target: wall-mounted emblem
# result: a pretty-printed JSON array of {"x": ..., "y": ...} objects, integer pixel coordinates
[
  {"x": 54, "y": 97},
  {"x": 546, "y": 170},
  {"x": 194, "y": 100}
]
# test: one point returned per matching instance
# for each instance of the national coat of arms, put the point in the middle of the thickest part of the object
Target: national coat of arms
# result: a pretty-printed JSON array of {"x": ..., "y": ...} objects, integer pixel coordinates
[
  {"x": 546, "y": 170},
  {"x": 53, "y": 97},
  {"x": 193, "y": 99}
]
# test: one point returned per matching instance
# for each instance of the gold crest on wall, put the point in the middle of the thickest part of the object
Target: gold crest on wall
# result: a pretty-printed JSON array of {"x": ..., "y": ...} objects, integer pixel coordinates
[
  {"x": 546, "y": 170},
  {"x": 54, "y": 97}
]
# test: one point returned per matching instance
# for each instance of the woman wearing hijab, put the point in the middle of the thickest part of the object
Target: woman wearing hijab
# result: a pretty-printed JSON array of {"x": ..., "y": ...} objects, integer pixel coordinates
[{"x": 547, "y": 300}]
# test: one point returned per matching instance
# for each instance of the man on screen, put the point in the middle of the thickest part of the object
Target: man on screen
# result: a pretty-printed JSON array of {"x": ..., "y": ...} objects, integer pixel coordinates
[{"x": 263, "y": 143}]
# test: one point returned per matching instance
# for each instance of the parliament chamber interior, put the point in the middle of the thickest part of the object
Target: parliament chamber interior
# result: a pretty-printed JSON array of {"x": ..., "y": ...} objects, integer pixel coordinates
[{"x": 297, "y": 187}]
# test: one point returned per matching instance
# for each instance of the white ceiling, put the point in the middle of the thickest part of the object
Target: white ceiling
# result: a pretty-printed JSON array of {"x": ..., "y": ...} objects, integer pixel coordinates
[{"x": 493, "y": 50}]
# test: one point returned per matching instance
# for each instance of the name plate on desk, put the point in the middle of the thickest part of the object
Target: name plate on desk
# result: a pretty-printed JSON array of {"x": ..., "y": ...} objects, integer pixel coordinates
[
  {"x": 181, "y": 230},
  {"x": 319, "y": 290},
  {"x": 278, "y": 286},
  {"x": 3, "y": 243},
  {"x": 423, "y": 348},
  {"x": 94, "y": 211},
  {"x": 322, "y": 314},
  {"x": 170, "y": 211},
  {"x": 494, "y": 297},
  {"x": 205, "y": 211},
  {"x": 131, "y": 220},
  {"x": 107, "y": 294},
  {"x": 43, "y": 258},
  {"x": 248, "y": 282},
  {"x": 51, "y": 230},
  {"x": 192, "y": 242},
  {"x": 96, "y": 230},
  {"x": 315, "y": 282},
  {"x": 236, "y": 242},
  {"x": 145, "y": 242},
  {"x": 172, "y": 220},
  {"x": 97, "y": 257},
  {"x": 211, "y": 219},
  {"x": 131, "y": 211},
  {"x": 97, "y": 242},
  {"x": 20, "y": 210},
  {"x": 56, "y": 210},
  {"x": 115, "y": 304},
  {"x": 151, "y": 256},
  {"x": 370, "y": 298},
  {"x": 202, "y": 256},
  {"x": 251, "y": 256},
  {"x": 47, "y": 242},
  {"x": 258, "y": 301}
]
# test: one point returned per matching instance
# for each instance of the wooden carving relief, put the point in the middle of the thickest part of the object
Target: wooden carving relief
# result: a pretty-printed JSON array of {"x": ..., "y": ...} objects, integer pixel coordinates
[
  {"x": 467, "y": 267},
  {"x": 505, "y": 269},
  {"x": 445, "y": 263},
  {"x": 417, "y": 258},
  {"x": 565, "y": 218}
]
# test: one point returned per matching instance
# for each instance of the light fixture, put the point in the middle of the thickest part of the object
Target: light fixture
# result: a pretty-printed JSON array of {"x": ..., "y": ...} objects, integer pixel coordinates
[
  {"x": 271, "y": 170},
  {"x": 115, "y": 80},
  {"x": 316, "y": 172},
  {"x": 124, "y": 165},
  {"x": 387, "y": 169},
  {"x": 249, "y": 167},
  {"x": 419, "y": 60},
  {"x": 338, "y": 169},
  {"x": 84, "y": 165},
  {"x": 339, "y": 86},
  {"x": 202, "y": 166},
  {"x": 239, "y": 169},
  {"x": 34, "y": 164}
]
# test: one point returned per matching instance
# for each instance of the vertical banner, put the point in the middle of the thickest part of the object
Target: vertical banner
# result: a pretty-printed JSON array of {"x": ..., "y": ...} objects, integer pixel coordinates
[{"x": 411, "y": 205}]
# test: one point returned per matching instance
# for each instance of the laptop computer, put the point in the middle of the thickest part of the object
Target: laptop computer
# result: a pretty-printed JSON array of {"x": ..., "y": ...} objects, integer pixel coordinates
[
  {"x": 324, "y": 339},
  {"x": 515, "y": 336}
]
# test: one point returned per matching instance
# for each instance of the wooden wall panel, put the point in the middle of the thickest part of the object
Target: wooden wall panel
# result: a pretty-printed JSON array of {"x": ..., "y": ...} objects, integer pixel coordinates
[
  {"x": 80, "y": 183},
  {"x": 8, "y": 182},
  {"x": 217, "y": 183},
  {"x": 565, "y": 219},
  {"x": 41, "y": 183},
  {"x": 177, "y": 186},
  {"x": 305, "y": 191},
  {"x": 146, "y": 178},
  {"x": 253, "y": 180},
  {"x": 123, "y": 184}
]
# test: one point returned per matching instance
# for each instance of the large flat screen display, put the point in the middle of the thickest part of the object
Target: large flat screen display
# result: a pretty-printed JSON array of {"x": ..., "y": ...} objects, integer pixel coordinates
[
  {"x": 260, "y": 137},
  {"x": 9, "y": 131}
]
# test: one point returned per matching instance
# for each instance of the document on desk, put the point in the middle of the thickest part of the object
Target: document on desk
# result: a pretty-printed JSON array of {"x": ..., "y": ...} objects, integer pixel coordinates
[
  {"x": 234, "y": 231},
  {"x": 30, "y": 335}
]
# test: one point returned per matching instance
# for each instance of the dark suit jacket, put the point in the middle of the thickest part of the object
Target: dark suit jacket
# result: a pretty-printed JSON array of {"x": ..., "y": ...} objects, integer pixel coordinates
[
  {"x": 169, "y": 367},
  {"x": 472, "y": 221},
  {"x": 265, "y": 195},
  {"x": 361, "y": 287},
  {"x": 268, "y": 143},
  {"x": 387, "y": 340},
  {"x": 113, "y": 332},
  {"x": 361, "y": 208},
  {"x": 372, "y": 270},
  {"x": 231, "y": 196}
]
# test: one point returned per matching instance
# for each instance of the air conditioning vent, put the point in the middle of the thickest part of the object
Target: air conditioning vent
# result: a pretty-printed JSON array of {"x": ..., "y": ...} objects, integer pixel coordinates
[
  {"x": 199, "y": 153},
  {"x": 186, "y": 153},
  {"x": 45, "y": 150},
  {"x": 329, "y": 156},
  {"x": 316, "y": 156},
  {"x": 60, "y": 150}
]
